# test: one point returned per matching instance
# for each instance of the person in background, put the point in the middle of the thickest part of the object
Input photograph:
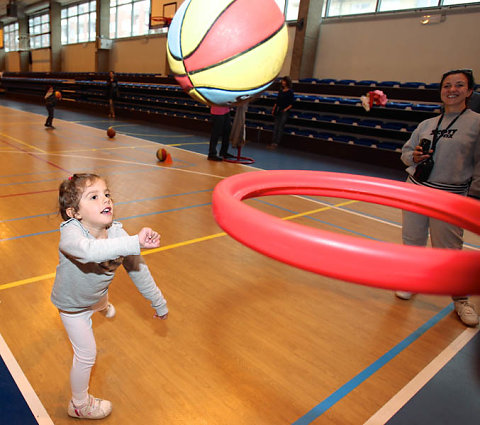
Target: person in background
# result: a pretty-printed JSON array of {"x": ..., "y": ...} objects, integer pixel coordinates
[
  {"x": 112, "y": 93},
  {"x": 221, "y": 127},
  {"x": 50, "y": 102},
  {"x": 452, "y": 140},
  {"x": 281, "y": 108}
]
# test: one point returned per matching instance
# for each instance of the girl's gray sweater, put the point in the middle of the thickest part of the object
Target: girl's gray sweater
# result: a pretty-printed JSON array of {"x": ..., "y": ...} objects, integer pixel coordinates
[{"x": 87, "y": 266}]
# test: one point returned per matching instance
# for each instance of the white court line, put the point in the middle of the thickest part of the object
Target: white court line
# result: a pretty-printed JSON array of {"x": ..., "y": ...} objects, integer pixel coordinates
[
  {"x": 24, "y": 386},
  {"x": 466, "y": 245},
  {"x": 416, "y": 384}
]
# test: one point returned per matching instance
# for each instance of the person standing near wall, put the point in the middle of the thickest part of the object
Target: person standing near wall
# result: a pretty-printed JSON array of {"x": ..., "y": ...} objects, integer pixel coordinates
[
  {"x": 280, "y": 111},
  {"x": 452, "y": 141},
  {"x": 221, "y": 126},
  {"x": 112, "y": 93}
]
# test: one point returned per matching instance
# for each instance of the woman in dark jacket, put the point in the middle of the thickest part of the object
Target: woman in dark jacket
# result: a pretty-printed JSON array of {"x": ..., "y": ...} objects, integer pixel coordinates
[{"x": 283, "y": 104}]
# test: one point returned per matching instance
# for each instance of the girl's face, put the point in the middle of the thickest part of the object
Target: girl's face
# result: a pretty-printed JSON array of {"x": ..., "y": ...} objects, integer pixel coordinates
[
  {"x": 455, "y": 91},
  {"x": 95, "y": 209}
]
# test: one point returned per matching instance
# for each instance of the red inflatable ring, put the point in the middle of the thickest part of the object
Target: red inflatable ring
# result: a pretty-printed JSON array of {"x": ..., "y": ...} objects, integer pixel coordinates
[{"x": 372, "y": 263}]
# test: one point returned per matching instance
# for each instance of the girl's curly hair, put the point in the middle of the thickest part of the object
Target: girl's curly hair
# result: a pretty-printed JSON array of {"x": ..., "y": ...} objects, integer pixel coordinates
[{"x": 70, "y": 192}]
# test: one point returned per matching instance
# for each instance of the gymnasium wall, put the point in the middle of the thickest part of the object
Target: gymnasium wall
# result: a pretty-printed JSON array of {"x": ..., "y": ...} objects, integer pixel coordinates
[
  {"x": 12, "y": 62},
  {"x": 78, "y": 57},
  {"x": 137, "y": 55},
  {"x": 140, "y": 55},
  {"x": 398, "y": 47},
  {"x": 41, "y": 60}
]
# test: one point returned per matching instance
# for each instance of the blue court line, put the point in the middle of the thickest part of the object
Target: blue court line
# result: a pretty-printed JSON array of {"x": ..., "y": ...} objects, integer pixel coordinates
[
  {"x": 355, "y": 382},
  {"x": 118, "y": 219}
]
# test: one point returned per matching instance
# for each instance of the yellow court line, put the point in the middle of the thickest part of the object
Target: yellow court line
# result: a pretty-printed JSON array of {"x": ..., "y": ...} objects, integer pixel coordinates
[
  {"x": 22, "y": 143},
  {"x": 172, "y": 246},
  {"x": 173, "y": 145},
  {"x": 25, "y": 281}
]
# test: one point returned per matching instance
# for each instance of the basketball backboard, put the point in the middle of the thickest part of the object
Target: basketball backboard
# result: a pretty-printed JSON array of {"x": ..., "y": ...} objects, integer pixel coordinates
[{"x": 161, "y": 9}]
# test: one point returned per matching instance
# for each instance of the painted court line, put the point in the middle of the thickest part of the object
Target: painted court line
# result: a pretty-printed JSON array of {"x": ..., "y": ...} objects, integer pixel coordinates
[
  {"x": 356, "y": 381},
  {"x": 417, "y": 383},
  {"x": 152, "y": 251},
  {"x": 24, "y": 386}
]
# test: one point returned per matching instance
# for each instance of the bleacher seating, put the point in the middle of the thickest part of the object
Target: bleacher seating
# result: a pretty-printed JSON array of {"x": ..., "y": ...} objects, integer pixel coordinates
[{"x": 325, "y": 111}]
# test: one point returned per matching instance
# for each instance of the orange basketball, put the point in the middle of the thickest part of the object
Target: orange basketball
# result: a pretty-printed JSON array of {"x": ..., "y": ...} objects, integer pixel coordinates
[
  {"x": 58, "y": 94},
  {"x": 111, "y": 132},
  {"x": 162, "y": 155}
]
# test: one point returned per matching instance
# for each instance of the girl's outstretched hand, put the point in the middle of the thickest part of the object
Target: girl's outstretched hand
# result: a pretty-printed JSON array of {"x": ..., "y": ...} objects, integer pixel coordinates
[
  {"x": 164, "y": 317},
  {"x": 148, "y": 238}
]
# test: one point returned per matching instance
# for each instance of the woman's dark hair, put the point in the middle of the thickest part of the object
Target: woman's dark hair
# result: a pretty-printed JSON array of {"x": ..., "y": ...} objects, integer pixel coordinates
[
  {"x": 70, "y": 192},
  {"x": 288, "y": 81},
  {"x": 467, "y": 72}
]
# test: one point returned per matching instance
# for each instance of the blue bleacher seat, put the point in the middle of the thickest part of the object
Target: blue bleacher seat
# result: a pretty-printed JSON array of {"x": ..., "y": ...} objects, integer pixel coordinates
[
  {"x": 432, "y": 86},
  {"x": 426, "y": 107},
  {"x": 328, "y": 118},
  {"x": 346, "y": 82},
  {"x": 347, "y": 120},
  {"x": 389, "y": 83},
  {"x": 342, "y": 138},
  {"x": 291, "y": 130},
  {"x": 366, "y": 83},
  {"x": 413, "y": 84},
  {"x": 324, "y": 135},
  {"x": 365, "y": 141},
  {"x": 399, "y": 105},
  {"x": 307, "y": 97},
  {"x": 393, "y": 125},
  {"x": 308, "y": 80},
  {"x": 391, "y": 146},
  {"x": 309, "y": 115},
  {"x": 349, "y": 101},
  {"x": 370, "y": 123},
  {"x": 327, "y": 81}
]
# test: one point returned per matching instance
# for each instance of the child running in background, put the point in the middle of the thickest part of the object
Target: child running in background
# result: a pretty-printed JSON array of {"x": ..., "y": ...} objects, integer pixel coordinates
[
  {"x": 92, "y": 246},
  {"x": 50, "y": 103}
]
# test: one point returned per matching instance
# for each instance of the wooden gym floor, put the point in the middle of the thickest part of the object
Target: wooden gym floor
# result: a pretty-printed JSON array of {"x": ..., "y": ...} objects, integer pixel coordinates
[{"x": 248, "y": 340}]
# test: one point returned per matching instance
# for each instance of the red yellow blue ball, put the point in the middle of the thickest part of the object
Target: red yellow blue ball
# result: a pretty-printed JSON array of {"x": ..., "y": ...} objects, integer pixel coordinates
[{"x": 225, "y": 51}]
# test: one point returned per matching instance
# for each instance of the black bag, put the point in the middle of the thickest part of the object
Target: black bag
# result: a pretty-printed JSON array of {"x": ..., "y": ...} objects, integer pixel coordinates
[{"x": 423, "y": 170}]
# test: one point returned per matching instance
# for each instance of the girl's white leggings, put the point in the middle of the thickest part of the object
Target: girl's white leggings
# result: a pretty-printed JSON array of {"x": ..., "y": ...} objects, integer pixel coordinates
[{"x": 80, "y": 333}]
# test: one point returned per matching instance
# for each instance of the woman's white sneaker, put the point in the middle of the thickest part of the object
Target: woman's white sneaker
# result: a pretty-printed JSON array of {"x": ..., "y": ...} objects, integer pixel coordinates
[{"x": 404, "y": 295}]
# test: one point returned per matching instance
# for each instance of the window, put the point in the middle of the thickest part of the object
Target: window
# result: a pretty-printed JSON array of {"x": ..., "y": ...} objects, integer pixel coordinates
[
  {"x": 78, "y": 23},
  {"x": 390, "y": 5},
  {"x": 350, "y": 7},
  {"x": 39, "y": 30},
  {"x": 10, "y": 32},
  {"x": 354, "y": 7},
  {"x": 130, "y": 18},
  {"x": 290, "y": 8}
]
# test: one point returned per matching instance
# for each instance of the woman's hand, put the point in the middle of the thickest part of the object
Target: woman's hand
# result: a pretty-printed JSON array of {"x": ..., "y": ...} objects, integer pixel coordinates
[{"x": 418, "y": 155}]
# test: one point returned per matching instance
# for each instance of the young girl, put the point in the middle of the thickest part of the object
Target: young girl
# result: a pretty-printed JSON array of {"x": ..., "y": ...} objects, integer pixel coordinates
[
  {"x": 50, "y": 103},
  {"x": 91, "y": 248}
]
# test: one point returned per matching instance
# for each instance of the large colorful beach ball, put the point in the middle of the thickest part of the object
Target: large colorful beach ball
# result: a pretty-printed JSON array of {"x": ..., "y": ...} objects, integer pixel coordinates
[{"x": 226, "y": 51}]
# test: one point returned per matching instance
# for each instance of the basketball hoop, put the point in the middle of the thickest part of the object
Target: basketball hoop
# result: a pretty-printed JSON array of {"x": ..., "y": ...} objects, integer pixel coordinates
[
  {"x": 161, "y": 21},
  {"x": 372, "y": 263}
]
